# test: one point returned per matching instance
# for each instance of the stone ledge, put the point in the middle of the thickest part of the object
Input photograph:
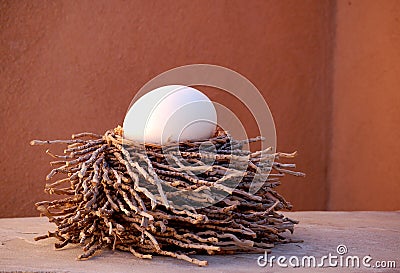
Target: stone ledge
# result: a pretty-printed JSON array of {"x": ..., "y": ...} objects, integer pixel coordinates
[{"x": 364, "y": 233}]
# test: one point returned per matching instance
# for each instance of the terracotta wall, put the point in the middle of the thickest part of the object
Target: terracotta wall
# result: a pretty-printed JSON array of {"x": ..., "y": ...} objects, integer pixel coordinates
[
  {"x": 365, "y": 150},
  {"x": 71, "y": 66}
]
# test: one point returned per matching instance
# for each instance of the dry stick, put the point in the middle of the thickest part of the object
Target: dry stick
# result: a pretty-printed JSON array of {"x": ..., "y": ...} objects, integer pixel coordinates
[
  {"x": 183, "y": 257},
  {"x": 65, "y": 157},
  {"x": 44, "y": 142},
  {"x": 74, "y": 136},
  {"x": 139, "y": 255},
  {"x": 85, "y": 146}
]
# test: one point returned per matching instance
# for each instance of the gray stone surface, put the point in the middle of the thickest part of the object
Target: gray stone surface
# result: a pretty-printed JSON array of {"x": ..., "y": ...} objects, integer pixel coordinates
[{"x": 364, "y": 233}]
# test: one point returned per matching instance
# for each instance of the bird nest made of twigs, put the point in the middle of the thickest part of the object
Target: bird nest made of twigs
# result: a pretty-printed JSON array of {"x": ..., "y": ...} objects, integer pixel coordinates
[{"x": 176, "y": 200}]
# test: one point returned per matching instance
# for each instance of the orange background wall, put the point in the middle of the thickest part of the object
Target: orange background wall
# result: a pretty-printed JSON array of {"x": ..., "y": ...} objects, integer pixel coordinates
[
  {"x": 329, "y": 72},
  {"x": 365, "y": 148}
]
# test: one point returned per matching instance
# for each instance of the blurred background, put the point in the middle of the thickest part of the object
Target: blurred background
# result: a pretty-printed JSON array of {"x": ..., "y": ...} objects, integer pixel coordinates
[{"x": 329, "y": 70}]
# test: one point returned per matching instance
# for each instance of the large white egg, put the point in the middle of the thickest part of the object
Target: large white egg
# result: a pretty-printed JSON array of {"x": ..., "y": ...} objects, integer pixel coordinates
[{"x": 169, "y": 114}]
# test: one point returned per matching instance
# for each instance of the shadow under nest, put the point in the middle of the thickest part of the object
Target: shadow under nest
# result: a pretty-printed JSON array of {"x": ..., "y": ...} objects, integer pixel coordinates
[{"x": 166, "y": 200}]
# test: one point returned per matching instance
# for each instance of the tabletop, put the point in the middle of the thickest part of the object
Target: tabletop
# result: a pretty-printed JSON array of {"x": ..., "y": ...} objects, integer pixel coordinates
[{"x": 332, "y": 242}]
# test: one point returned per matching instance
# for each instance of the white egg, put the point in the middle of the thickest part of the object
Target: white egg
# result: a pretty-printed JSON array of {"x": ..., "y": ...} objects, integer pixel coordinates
[{"x": 169, "y": 114}]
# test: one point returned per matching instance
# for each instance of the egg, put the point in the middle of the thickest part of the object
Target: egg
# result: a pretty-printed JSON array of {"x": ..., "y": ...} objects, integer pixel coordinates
[{"x": 170, "y": 113}]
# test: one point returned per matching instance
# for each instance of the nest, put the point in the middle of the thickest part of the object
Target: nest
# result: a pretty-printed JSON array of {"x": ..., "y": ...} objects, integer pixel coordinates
[{"x": 157, "y": 200}]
